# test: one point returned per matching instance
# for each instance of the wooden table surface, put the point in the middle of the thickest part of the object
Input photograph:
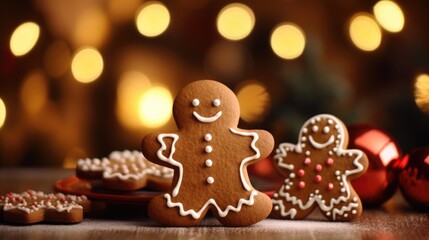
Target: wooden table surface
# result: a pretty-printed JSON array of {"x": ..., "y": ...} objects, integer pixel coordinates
[{"x": 394, "y": 220}]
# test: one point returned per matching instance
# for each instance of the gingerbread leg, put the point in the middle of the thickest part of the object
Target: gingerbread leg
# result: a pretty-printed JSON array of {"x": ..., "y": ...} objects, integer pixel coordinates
[
  {"x": 247, "y": 215},
  {"x": 345, "y": 211},
  {"x": 282, "y": 208},
  {"x": 170, "y": 216}
]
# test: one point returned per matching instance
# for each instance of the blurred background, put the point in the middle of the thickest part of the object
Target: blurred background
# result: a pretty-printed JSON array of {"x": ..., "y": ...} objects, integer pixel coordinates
[{"x": 82, "y": 78}]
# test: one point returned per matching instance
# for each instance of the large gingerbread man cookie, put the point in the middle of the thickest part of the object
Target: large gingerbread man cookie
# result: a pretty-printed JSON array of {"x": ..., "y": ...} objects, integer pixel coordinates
[
  {"x": 209, "y": 155},
  {"x": 318, "y": 172}
]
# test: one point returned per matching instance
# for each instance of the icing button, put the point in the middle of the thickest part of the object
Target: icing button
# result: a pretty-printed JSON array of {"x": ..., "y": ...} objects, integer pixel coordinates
[
  {"x": 209, "y": 149},
  {"x": 307, "y": 161},
  {"x": 300, "y": 173},
  {"x": 330, "y": 186},
  {"x": 209, "y": 163},
  {"x": 317, "y": 178},
  {"x": 301, "y": 184},
  {"x": 210, "y": 180},
  {"x": 329, "y": 162},
  {"x": 318, "y": 168},
  {"x": 208, "y": 137}
]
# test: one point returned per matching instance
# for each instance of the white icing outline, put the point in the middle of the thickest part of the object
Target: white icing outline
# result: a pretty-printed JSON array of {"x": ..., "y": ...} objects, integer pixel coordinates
[
  {"x": 170, "y": 158},
  {"x": 224, "y": 213},
  {"x": 288, "y": 147},
  {"x": 207, "y": 119},
  {"x": 247, "y": 159}
]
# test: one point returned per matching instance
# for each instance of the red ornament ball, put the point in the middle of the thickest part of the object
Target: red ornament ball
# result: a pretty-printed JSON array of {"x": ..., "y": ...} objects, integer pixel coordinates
[
  {"x": 414, "y": 178},
  {"x": 380, "y": 181}
]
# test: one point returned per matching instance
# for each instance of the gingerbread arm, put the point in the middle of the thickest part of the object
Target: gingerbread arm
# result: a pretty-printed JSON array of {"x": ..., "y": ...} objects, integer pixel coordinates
[
  {"x": 284, "y": 152},
  {"x": 355, "y": 161}
]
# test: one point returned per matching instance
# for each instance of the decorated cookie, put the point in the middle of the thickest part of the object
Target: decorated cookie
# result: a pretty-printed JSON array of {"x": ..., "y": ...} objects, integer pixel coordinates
[
  {"x": 33, "y": 207},
  {"x": 209, "y": 155},
  {"x": 126, "y": 170},
  {"x": 318, "y": 172}
]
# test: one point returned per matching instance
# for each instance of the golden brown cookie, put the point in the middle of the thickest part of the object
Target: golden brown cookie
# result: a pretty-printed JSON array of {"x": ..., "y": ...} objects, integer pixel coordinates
[
  {"x": 33, "y": 207},
  {"x": 318, "y": 172},
  {"x": 209, "y": 155},
  {"x": 126, "y": 170}
]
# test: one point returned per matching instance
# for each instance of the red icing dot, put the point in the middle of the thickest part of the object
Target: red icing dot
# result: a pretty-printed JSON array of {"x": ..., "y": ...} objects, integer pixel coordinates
[
  {"x": 2, "y": 198},
  {"x": 330, "y": 186},
  {"x": 318, "y": 178},
  {"x": 329, "y": 162},
  {"x": 30, "y": 193},
  {"x": 35, "y": 204},
  {"x": 63, "y": 200},
  {"x": 301, "y": 184},
  {"x": 318, "y": 168},
  {"x": 307, "y": 161},
  {"x": 300, "y": 173}
]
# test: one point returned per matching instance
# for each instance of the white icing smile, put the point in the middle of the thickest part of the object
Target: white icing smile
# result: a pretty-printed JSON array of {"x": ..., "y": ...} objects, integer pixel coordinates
[
  {"x": 321, "y": 145},
  {"x": 207, "y": 119}
]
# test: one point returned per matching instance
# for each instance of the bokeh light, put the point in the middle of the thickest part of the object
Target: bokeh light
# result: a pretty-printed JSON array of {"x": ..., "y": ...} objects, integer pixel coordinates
[
  {"x": 34, "y": 92},
  {"x": 2, "y": 113},
  {"x": 155, "y": 107},
  {"x": 421, "y": 92},
  {"x": 254, "y": 101},
  {"x": 92, "y": 28},
  {"x": 57, "y": 59},
  {"x": 389, "y": 15},
  {"x": 235, "y": 21},
  {"x": 87, "y": 65},
  {"x": 130, "y": 89},
  {"x": 152, "y": 19},
  {"x": 365, "y": 32},
  {"x": 227, "y": 60},
  {"x": 24, "y": 38},
  {"x": 287, "y": 41}
]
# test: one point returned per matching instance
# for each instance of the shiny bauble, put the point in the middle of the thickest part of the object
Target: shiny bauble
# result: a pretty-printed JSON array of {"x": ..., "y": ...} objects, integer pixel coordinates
[
  {"x": 414, "y": 178},
  {"x": 380, "y": 181}
]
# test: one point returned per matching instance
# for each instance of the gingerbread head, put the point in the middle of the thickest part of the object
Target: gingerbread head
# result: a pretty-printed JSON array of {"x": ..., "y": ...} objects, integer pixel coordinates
[
  {"x": 209, "y": 155},
  {"x": 318, "y": 171}
]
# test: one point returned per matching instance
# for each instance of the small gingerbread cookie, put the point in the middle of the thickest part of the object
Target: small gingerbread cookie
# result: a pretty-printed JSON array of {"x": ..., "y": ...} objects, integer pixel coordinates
[
  {"x": 33, "y": 207},
  {"x": 126, "y": 170},
  {"x": 318, "y": 172},
  {"x": 209, "y": 155}
]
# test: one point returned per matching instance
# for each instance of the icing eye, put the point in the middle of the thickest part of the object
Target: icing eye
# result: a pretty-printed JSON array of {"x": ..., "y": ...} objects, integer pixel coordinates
[
  {"x": 326, "y": 129},
  {"x": 195, "y": 102},
  {"x": 216, "y": 102},
  {"x": 315, "y": 128}
]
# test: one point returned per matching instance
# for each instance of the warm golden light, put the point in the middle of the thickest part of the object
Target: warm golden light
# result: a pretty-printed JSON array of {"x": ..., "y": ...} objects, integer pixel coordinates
[
  {"x": 2, "y": 113},
  {"x": 152, "y": 19},
  {"x": 235, "y": 21},
  {"x": 24, "y": 38},
  {"x": 421, "y": 92},
  {"x": 254, "y": 101},
  {"x": 34, "y": 92},
  {"x": 365, "y": 32},
  {"x": 122, "y": 11},
  {"x": 72, "y": 156},
  {"x": 287, "y": 41},
  {"x": 87, "y": 65},
  {"x": 389, "y": 15},
  {"x": 130, "y": 89},
  {"x": 92, "y": 28},
  {"x": 155, "y": 107},
  {"x": 57, "y": 59}
]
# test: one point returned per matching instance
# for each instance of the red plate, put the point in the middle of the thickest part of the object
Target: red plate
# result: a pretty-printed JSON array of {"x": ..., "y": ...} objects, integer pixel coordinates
[{"x": 94, "y": 191}]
